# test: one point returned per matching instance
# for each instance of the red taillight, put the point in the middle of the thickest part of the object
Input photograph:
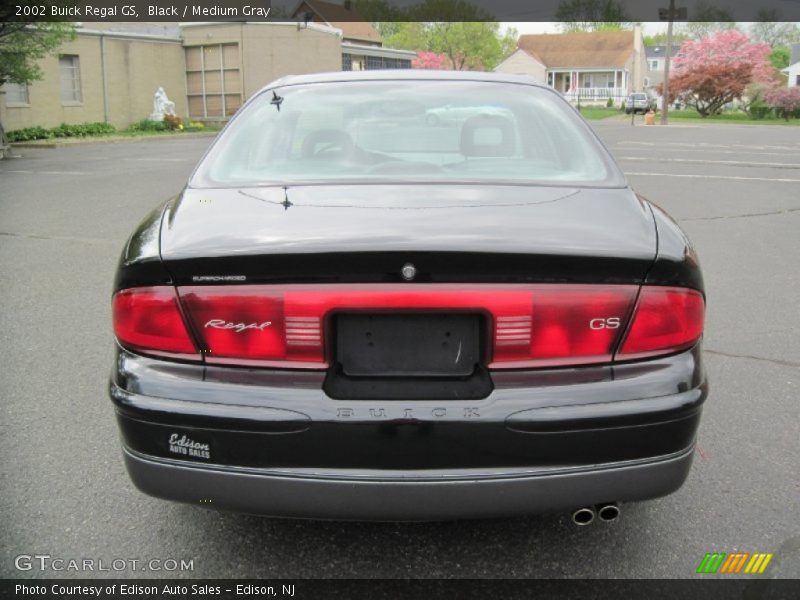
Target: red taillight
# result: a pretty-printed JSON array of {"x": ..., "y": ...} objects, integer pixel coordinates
[
  {"x": 149, "y": 320},
  {"x": 563, "y": 324},
  {"x": 529, "y": 326},
  {"x": 666, "y": 319}
]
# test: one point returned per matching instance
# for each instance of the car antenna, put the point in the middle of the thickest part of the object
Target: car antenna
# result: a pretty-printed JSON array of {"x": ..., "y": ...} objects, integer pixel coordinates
[
  {"x": 276, "y": 100},
  {"x": 286, "y": 202}
]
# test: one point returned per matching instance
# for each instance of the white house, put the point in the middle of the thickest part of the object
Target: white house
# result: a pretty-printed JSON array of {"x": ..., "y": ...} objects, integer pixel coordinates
[
  {"x": 656, "y": 57},
  {"x": 522, "y": 62},
  {"x": 585, "y": 66},
  {"x": 793, "y": 70}
]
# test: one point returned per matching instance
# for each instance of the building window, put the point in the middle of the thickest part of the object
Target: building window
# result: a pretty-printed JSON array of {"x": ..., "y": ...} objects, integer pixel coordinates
[
  {"x": 17, "y": 93},
  {"x": 213, "y": 81},
  {"x": 69, "y": 69},
  {"x": 654, "y": 65},
  {"x": 797, "y": 79},
  {"x": 646, "y": 82}
]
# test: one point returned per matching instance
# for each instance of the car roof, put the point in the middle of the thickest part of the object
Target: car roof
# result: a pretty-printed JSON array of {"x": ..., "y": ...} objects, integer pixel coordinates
[{"x": 404, "y": 75}]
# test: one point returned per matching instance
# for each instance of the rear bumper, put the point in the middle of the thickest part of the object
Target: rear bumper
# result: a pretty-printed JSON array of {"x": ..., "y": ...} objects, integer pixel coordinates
[
  {"x": 408, "y": 496},
  {"x": 273, "y": 443}
]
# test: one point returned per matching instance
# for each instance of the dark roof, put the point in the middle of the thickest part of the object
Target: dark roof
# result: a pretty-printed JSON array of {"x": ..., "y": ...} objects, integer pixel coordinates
[
  {"x": 660, "y": 51},
  {"x": 580, "y": 49},
  {"x": 344, "y": 17}
]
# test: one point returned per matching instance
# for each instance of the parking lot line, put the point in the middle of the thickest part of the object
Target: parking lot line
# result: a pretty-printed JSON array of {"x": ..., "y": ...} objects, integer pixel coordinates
[
  {"x": 694, "y": 161},
  {"x": 731, "y": 177}
]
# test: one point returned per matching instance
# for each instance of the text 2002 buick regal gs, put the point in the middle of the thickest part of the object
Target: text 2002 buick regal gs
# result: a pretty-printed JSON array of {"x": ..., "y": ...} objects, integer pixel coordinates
[{"x": 357, "y": 311}]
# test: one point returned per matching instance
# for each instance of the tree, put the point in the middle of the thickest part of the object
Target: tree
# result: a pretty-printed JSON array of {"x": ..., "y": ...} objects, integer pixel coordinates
[
  {"x": 727, "y": 48},
  {"x": 707, "y": 20},
  {"x": 430, "y": 60},
  {"x": 22, "y": 45},
  {"x": 472, "y": 46},
  {"x": 716, "y": 70},
  {"x": 660, "y": 39},
  {"x": 592, "y": 15},
  {"x": 465, "y": 33},
  {"x": 707, "y": 88},
  {"x": 771, "y": 31},
  {"x": 467, "y": 45},
  {"x": 780, "y": 57}
]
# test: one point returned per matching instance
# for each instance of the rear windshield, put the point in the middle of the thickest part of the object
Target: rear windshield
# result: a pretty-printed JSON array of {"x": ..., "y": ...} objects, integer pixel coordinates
[{"x": 407, "y": 131}]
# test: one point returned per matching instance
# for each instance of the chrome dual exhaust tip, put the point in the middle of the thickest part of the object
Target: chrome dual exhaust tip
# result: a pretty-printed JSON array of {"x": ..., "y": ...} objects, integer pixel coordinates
[
  {"x": 607, "y": 512},
  {"x": 583, "y": 516}
]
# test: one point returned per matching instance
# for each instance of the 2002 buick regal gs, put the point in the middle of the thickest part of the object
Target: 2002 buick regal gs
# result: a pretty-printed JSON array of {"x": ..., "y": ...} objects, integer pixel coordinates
[{"x": 408, "y": 296}]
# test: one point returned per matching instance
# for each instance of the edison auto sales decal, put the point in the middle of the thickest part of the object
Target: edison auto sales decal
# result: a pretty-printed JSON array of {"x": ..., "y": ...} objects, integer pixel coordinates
[{"x": 180, "y": 444}]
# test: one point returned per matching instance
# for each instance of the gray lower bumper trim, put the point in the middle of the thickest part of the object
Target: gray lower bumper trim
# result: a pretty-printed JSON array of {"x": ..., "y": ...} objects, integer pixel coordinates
[{"x": 392, "y": 500}]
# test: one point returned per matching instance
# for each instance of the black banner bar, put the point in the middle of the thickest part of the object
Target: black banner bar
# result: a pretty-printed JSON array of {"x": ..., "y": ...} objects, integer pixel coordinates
[
  {"x": 375, "y": 589},
  {"x": 399, "y": 10}
]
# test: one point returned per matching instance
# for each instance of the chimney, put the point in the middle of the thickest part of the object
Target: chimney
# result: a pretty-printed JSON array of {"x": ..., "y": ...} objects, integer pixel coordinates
[{"x": 637, "y": 68}]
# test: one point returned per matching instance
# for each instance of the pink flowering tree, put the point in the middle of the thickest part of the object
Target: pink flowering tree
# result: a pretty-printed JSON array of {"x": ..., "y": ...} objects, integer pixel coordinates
[
  {"x": 785, "y": 101},
  {"x": 717, "y": 69},
  {"x": 730, "y": 48},
  {"x": 430, "y": 60}
]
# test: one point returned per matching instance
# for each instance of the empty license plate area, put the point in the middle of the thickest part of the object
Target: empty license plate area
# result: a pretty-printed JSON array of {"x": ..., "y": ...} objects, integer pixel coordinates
[{"x": 421, "y": 345}]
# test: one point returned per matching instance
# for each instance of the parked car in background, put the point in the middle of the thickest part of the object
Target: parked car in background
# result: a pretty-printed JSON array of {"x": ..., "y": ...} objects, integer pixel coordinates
[
  {"x": 350, "y": 314},
  {"x": 639, "y": 102}
]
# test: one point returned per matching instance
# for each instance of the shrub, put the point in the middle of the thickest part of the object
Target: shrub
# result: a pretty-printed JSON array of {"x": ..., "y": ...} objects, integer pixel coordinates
[
  {"x": 622, "y": 106},
  {"x": 760, "y": 111},
  {"x": 173, "y": 122},
  {"x": 785, "y": 101},
  {"x": 147, "y": 125},
  {"x": 610, "y": 103},
  {"x": 29, "y": 133},
  {"x": 62, "y": 131}
]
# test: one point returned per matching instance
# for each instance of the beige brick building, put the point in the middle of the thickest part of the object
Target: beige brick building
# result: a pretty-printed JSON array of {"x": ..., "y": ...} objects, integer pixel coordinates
[
  {"x": 99, "y": 76},
  {"x": 207, "y": 69}
]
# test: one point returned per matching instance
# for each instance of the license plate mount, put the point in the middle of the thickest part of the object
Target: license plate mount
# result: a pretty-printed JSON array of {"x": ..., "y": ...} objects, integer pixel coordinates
[{"x": 408, "y": 345}]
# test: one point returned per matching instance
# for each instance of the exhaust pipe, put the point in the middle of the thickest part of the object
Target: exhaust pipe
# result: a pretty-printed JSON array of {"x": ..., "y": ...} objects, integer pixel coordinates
[
  {"x": 608, "y": 512},
  {"x": 583, "y": 516}
]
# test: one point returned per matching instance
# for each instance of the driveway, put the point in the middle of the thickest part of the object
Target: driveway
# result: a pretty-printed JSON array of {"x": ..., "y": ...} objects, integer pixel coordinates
[{"x": 64, "y": 216}]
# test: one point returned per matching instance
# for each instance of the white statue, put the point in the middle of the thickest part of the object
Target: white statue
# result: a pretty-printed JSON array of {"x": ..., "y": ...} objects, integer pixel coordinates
[{"x": 162, "y": 105}]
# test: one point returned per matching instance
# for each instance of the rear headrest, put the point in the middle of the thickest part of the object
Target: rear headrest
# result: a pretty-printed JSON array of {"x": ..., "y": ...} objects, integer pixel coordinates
[{"x": 488, "y": 136}]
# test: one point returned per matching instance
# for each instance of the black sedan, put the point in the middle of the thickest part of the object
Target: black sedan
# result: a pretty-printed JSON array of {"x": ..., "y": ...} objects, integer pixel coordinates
[{"x": 354, "y": 311}]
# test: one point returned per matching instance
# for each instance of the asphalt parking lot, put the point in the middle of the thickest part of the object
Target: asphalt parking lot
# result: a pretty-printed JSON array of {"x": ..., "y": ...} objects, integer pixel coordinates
[{"x": 64, "y": 216}]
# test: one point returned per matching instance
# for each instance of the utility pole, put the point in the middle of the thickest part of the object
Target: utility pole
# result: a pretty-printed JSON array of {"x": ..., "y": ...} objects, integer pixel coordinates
[
  {"x": 665, "y": 88},
  {"x": 669, "y": 14}
]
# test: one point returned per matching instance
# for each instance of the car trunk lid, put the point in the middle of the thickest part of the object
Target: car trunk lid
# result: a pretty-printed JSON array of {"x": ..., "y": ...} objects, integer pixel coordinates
[{"x": 368, "y": 233}]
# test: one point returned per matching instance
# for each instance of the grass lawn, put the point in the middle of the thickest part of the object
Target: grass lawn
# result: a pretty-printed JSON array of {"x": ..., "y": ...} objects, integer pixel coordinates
[
  {"x": 595, "y": 113},
  {"x": 731, "y": 117}
]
